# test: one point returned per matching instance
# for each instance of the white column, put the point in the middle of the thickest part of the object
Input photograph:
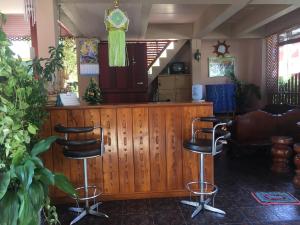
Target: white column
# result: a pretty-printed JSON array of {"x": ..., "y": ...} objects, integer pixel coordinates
[
  {"x": 47, "y": 26},
  {"x": 47, "y": 33}
]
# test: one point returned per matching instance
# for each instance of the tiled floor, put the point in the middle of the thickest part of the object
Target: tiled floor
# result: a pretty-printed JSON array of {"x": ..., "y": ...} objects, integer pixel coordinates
[{"x": 236, "y": 178}]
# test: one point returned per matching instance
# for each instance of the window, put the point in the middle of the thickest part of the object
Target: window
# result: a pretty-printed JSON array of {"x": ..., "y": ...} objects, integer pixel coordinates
[
  {"x": 289, "y": 54},
  {"x": 289, "y": 61},
  {"x": 283, "y": 67},
  {"x": 21, "y": 48},
  {"x": 70, "y": 75}
]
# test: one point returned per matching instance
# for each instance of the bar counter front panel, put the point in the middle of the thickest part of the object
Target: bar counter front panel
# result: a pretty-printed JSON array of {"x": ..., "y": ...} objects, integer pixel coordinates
[{"x": 144, "y": 157}]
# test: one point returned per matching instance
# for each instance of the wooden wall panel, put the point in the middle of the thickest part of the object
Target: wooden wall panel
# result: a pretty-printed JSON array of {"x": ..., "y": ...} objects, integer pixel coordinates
[
  {"x": 157, "y": 136},
  {"x": 174, "y": 148},
  {"x": 110, "y": 157},
  {"x": 190, "y": 159},
  {"x": 61, "y": 164},
  {"x": 76, "y": 119},
  {"x": 125, "y": 148},
  {"x": 141, "y": 149},
  {"x": 95, "y": 170}
]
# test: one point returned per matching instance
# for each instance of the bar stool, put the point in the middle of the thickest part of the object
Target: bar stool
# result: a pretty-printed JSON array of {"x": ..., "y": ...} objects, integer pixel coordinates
[
  {"x": 204, "y": 190},
  {"x": 83, "y": 150}
]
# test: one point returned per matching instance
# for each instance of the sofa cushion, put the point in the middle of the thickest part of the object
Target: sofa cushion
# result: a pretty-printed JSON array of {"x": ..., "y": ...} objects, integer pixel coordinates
[
  {"x": 254, "y": 127},
  {"x": 287, "y": 124}
]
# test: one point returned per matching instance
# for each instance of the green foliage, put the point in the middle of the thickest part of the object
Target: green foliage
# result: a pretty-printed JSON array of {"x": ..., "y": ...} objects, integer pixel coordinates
[
  {"x": 244, "y": 92},
  {"x": 9, "y": 206},
  {"x": 70, "y": 58},
  {"x": 5, "y": 180},
  {"x": 24, "y": 179},
  {"x": 47, "y": 67},
  {"x": 30, "y": 187},
  {"x": 92, "y": 93}
]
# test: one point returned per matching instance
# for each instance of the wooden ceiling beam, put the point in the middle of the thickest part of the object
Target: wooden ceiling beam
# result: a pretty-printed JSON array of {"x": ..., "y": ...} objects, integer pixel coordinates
[
  {"x": 69, "y": 24},
  {"x": 215, "y": 16},
  {"x": 144, "y": 18},
  {"x": 68, "y": 19},
  {"x": 261, "y": 17}
]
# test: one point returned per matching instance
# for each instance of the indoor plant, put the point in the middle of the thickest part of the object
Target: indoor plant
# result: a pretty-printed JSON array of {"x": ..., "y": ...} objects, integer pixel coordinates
[
  {"x": 24, "y": 180},
  {"x": 244, "y": 93},
  {"x": 92, "y": 94}
]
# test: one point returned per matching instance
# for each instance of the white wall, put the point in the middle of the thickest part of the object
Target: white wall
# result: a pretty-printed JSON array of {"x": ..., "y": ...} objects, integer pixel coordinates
[{"x": 248, "y": 63}]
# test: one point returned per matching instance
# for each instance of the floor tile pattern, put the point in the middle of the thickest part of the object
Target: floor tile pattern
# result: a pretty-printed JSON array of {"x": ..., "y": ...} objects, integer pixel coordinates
[{"x": 236, "y": 178}]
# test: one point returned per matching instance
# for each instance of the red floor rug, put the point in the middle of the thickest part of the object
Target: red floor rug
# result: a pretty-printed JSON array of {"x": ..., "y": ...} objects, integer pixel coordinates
[{"x": 275, "y": 198}]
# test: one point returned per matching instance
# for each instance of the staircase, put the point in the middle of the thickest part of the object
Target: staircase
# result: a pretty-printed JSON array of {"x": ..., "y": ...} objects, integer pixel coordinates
[
  {"x": 162, "y": 61},
  {"x": 155, "y": 49}
]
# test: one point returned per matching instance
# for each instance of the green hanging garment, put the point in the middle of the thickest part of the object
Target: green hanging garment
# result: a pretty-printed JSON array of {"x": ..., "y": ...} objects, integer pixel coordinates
[{"x": 116, "y": 23}]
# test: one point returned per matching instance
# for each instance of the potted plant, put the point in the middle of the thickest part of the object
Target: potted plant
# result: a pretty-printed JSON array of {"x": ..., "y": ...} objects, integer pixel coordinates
[
  {"x": 46, "y": 68},
  {"x": 244, "y": 93},
  {"x": 92, "y": 94},
  {"x": 24, "y": 181}
]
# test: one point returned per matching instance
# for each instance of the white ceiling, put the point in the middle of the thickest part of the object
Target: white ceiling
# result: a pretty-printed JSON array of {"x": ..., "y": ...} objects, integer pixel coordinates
[
  {"x": 12, "y": 6},
  {"x": 175, "y": 13},
  {"x": 162, "y": 19}
]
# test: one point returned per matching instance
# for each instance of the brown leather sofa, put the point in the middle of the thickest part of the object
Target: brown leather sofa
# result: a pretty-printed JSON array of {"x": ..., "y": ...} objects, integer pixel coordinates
[{"x": 255, "y": 129}]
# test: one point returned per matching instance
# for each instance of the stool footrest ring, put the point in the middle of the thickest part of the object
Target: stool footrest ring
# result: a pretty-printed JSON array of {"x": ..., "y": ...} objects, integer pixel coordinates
[
  {"x": 96, "y": 193},
  {"x": 201, "y": 188}
]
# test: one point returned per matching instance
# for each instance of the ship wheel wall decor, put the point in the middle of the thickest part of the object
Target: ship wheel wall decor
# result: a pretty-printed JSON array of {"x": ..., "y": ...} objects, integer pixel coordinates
[{"x": 221, "y": 49}]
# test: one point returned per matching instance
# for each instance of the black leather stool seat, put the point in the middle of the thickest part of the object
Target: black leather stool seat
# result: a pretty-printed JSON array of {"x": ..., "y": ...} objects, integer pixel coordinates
[
  {"x": 201, "y": 146},
  {"x": 72, "y": 153},
  {"x": 82, "y": 146},
  {"x": 219, "y": 132},
  {"x": 65, "y": 142},
  {"x": 62, "y": 129},
  {"x": 212, "y": 119}
]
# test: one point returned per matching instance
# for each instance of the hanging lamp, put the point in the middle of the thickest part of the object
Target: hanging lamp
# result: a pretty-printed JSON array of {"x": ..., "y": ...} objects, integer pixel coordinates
[{"x": 116, "y": 22}]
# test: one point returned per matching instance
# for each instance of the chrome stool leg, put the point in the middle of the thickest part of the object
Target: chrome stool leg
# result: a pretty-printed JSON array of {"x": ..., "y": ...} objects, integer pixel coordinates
[
  {"x": 81, "y": 215},
  {"x": 99, "y": 214},
  {"x": 197, "y": 210},
  {"x": 191, "y": 203},
  {"x": 87, "y": 210},
  {"x": 202, "y": 204},
  {"x": 213, "y": 209},
  {"x": 77, "y": 210}
]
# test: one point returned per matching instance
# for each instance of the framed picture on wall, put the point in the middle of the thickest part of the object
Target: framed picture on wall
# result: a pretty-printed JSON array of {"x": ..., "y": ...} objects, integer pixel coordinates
[
  {"x": 88, "y": 56},
  {"x": 220, "y": 66}
]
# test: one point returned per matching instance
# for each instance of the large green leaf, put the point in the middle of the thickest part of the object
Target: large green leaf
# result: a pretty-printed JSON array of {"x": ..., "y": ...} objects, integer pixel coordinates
[
  {"x": 25, "y": 173},
  {"x": 32, "y": 129},
  {"x": 36, "y": 194},
  {"x": 63, "y": 184},
  {"x": 42, "y": 145},
  {"x": 37, "y": 162},
  {"x": 46, "y": 176},
  {"x": 28, "y": 214},
  {"x": 9, "y": 206},
  {"x": 4, "y": 182}
]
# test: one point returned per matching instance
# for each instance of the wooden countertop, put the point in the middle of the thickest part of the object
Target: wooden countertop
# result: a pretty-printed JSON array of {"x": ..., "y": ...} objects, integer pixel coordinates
[{"x": 133, "y": 105}]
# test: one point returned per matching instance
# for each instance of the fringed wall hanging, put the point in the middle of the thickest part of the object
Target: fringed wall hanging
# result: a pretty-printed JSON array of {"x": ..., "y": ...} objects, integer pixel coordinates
[
  {"x": 116, "y": 22},
  {"x": 29, "y": 11}
]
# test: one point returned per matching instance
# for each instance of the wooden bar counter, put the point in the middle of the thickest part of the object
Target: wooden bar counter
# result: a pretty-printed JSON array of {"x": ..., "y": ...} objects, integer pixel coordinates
[{"x": 144, "y": 157}]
